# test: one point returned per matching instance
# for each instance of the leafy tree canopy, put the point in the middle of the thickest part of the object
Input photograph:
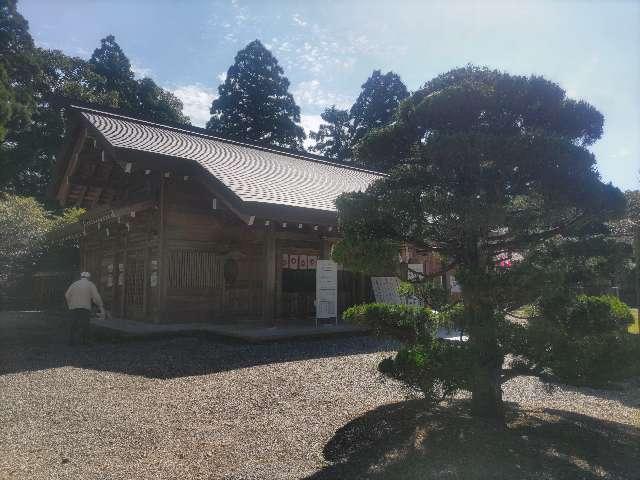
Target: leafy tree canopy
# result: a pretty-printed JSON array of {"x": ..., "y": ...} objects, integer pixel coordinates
[
  {"x": 333, "y": 138},
  {"x": 33, "y": 123},
  {"x": 254, "y": 103},
  {"x": 487, "y": 164},
  {"x": 18, "y": 69},
  {"x": 377, "y": 103}
]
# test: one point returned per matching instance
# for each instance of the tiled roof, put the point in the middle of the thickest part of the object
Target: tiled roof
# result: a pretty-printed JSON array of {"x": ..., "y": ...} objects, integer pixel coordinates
[{"x": 254, "y": 174}]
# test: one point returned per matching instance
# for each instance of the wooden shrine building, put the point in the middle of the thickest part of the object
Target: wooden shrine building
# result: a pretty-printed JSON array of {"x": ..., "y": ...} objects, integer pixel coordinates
[{"x": 182, "y": 226}]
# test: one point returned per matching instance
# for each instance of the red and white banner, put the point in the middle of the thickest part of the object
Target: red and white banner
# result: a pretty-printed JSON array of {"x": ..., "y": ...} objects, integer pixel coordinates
[
  {"x": 302, "y": 262},
  {"x": 312, "y": 261},
  {"x": 293, "y": 262}
]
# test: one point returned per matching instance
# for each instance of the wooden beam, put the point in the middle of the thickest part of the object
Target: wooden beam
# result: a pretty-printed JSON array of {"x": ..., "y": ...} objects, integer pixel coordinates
[{"x": 65, "y": 186}]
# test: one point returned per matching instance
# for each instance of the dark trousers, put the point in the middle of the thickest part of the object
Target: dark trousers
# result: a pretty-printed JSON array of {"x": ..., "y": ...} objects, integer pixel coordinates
[{"x": 79, "y": 326}]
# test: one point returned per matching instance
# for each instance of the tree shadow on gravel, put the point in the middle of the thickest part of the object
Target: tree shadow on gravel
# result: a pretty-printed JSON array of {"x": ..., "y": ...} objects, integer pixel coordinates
[
  {"x": 405, "y": 441},
  {"x": 32, "y": 342}
]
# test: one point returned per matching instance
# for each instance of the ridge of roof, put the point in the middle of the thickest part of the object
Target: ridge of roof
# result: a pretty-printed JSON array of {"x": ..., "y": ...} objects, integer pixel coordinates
[{"x": 201, "y": 132}]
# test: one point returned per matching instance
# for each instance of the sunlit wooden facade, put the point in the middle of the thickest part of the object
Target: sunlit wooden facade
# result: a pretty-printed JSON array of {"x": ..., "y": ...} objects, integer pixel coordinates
[{"x": 183, "y": 227}]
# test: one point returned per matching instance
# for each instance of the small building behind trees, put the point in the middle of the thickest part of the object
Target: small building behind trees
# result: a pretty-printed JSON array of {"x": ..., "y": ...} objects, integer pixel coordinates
[{"x": 182, "y": 226}]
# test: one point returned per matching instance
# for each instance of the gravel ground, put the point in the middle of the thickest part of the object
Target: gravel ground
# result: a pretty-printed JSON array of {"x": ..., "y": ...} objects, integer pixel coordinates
[{"x": 199, "y": 408}]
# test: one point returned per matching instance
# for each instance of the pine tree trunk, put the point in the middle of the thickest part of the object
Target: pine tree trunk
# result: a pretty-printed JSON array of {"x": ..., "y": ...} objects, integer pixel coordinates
[{"x": 486, "y": 391}]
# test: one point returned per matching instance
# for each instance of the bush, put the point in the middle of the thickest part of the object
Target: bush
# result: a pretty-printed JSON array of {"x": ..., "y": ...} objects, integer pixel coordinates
[
  {"x": 587, "y": 315},
  {"x": 436, "y": 368},
  {"x": 405, "y": 322},
  {"x": 596, "y": 359},
  {"x": 582, "y": 340}
]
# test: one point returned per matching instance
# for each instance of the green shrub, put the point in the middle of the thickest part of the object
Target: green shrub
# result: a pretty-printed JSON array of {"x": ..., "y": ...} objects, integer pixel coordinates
[
  {"x": 436, "y": 368},
  {"x": 405, "y": 322},
  {"x": 596, "y": 359},
  {"x": 587, "y": 315},
  {"x": 583, "y": 340}
]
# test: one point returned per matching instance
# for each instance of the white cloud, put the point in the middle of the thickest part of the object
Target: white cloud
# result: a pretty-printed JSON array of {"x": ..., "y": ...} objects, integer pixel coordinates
[
  {"x": 298, "y": 20},
  {"x": 197, "y": 100},
  {"x": 310, "y": 123},
  {"x": 311, "y": 93},
  {"x": 222, "y": 76}
]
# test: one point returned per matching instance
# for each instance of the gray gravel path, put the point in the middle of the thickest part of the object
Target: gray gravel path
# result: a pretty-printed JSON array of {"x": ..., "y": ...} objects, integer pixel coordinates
[{"x": 196, "y": 408}]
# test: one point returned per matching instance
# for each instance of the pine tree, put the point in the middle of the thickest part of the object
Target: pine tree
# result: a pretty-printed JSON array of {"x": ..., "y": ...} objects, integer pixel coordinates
[
  {"x": 112, "y": 65},
  {"x": 483, "y": 164},
  {"x": 142, "y": 98},
  {"x": 333, "y": 138},
  {"x": 377, "y": 103},
  {"x": 18, "y": 69},
  {"x": 254, "y": 103}
]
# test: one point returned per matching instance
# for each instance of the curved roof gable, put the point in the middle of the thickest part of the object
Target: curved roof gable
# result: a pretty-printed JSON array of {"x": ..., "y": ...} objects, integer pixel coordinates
[{"x": 252, "y": 173}]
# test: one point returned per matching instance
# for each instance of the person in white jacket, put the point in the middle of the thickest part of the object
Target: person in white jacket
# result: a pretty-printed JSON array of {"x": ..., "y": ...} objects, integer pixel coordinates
[{"x": 80, "y": 295}]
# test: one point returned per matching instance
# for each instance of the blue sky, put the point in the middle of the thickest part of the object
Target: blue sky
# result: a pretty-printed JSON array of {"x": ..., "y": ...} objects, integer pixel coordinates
[{"x": 328, "y": 49}]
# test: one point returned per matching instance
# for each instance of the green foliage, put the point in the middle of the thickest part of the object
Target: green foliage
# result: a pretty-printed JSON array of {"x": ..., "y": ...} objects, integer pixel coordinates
[
  {"x": 481, "y": 163},
  {"x": 17, "y": 65},
  {"x": 24, "y": 247},
  {"x": 376, "y": 105},
  {"x": 6, "y": 102},
  {"x": 433, "y": 295},
  {"x": 374, "y": 257},
  {"x": 595, "y": 359},
  {"x": 254, "y": 103},
  {"x": 436, "y": 368},
  {"x": 405, "y": 322},
  {"x": 41, "y": 81},
  {"x": 582, "y": 340},
  {"x": 586, "y": 315},
  {"x": 333, "y": 138},
  {"x": 23, "y": 228}
]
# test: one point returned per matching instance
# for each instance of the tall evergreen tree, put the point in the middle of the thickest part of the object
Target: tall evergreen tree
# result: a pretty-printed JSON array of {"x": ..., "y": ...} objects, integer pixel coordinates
[
  {"x": 333, "y": 138},
  {"x": 112, "y": 65},
  {"x": 254, "y": 103},
  {"x": 42, "y": 78},
  {"x": 18, "y": 68},
  {"x": 143, "y": 98},
  {"x": 377, "y": 103}
]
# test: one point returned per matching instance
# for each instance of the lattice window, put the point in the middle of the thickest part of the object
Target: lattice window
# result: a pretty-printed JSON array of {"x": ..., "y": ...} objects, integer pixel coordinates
[
  {"x": 134, "y": 275},
  {"x": 194, "y": 269}
]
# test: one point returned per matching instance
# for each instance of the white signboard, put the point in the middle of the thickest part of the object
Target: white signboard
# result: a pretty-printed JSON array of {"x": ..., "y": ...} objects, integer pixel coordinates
[
  {"x": 385, "y": 289},
  {"x": 455, "y": 286},
  {"x": 413, "y": 275},
  {"x": 415, "y": 269},
  {"x": 326, "y": 289}
]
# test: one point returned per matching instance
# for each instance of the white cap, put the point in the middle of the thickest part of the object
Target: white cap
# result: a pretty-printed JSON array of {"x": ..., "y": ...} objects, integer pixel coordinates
[{"x": 85, "y": 275}]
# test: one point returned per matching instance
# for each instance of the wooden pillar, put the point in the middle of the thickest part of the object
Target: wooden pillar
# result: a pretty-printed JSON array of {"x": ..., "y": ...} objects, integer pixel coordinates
[
  {"x": 278, "y": 307},
  {"x": 163, "y": 269},
  {"x": 269, "y": 291}
]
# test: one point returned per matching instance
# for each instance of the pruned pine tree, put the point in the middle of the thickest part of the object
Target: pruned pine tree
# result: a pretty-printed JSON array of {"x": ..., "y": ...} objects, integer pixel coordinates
[{"x": 484, "y": 164}]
